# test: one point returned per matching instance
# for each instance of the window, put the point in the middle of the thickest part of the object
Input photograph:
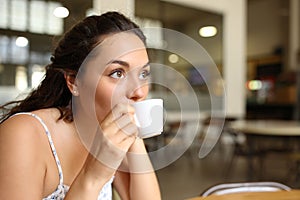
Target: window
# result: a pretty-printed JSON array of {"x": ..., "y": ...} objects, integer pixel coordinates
[
  {"x": 34, "y": 16},
  {"x": 21, "y": 78},
  {"x": 54, "y": 25},
  {"x": 37, "y": 16},
  {"x": 19, "y": 54},
  {"x": 18, "y": 20},
  {"x": 4, "y": 45},
  {"x": 4, "y": 13}
]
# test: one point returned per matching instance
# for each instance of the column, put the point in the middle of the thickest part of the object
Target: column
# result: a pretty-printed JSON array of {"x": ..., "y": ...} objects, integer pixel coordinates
[
  {"x": 294, "y": 42},
  {"x": 294, "y": 48},
  {"x": 124, "y": 6}
]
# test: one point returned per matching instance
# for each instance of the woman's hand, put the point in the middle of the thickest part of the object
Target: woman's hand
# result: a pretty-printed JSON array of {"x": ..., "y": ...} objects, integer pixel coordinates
[
  {"x": 115, "y": 143},
  {"x": 116, "y": 133}
]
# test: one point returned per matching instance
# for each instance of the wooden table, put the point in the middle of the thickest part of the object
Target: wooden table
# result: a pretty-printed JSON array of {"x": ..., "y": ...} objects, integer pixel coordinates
[{"x": 281, "y": 195}]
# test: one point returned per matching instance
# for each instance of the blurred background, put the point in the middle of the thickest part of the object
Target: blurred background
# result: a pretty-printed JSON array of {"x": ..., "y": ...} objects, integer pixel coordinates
[{"x": 254, "y": 44}]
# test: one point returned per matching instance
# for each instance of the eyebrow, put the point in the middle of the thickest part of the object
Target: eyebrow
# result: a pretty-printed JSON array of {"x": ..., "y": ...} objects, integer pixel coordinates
[{"x": 125, "y": 64}]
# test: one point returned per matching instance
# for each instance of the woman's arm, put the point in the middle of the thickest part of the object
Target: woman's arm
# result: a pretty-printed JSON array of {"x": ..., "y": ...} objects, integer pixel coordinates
[
  {"x": 121, "y": 184},
  {"x": 136, "y": 178},
  {"x": 22, "y": 162},
  {"x": 143, "y": 181}
]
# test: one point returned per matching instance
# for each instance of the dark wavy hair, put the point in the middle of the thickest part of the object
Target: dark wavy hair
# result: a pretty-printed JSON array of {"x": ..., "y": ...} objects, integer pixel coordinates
[{"x": 68, "y": 55}]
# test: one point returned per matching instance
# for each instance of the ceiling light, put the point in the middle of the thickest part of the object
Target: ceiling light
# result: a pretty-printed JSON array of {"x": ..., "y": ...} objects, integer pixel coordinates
[
  {"x": 208, "y": 31},
  {"x": 21, "y": 41},
  {"x": 61, "y": 12},
  {"x": 173, "y": 58}
]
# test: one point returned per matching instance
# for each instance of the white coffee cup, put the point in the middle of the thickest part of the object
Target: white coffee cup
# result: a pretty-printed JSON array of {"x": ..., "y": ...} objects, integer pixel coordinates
[{"x": 149, "y": 117}]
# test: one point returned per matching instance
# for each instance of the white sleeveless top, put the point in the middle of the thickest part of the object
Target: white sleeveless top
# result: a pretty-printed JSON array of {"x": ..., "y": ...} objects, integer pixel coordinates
[{"x": 61, "y": 190}]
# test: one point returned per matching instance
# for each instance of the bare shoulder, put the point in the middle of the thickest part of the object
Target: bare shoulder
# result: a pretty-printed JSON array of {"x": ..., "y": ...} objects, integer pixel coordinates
[
  {"x": 21, "y": 150},
  {"x": 21, "y": 128}
]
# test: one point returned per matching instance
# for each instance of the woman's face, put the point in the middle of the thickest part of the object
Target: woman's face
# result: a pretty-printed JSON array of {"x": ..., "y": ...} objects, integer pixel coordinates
[{"x": 125, "y": 78}]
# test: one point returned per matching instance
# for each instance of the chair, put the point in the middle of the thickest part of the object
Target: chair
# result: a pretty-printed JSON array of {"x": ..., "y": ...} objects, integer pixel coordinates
[
  {"x": 229, "y": 188},
  {"x": 294, "y": 168},
  {"x": 241, "y": 149}
]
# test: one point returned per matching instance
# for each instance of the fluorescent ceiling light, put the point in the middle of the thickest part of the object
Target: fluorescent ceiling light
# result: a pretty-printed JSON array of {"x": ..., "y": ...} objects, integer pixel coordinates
[
  {"x": 208, "y": 31},
  {"x": 61, "y": 12},
  {"x": 21, "y": 41},
  {"x": 173, "y": 58}
]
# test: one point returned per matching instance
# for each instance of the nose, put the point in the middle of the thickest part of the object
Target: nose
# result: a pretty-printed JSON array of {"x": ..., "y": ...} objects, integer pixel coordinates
[{"x": 136, "y": 90}]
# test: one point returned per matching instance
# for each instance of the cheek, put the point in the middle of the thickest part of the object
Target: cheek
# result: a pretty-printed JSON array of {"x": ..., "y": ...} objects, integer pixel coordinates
[{"x": 103, "y": 100}]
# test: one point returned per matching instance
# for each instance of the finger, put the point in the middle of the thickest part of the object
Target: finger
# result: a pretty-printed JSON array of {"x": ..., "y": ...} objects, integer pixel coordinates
[
  {"x": 124, "y": 120},
  {"x": 130, "y": 130},
  {"x": 118, "y": 125},
  {"x": 129, "y": 134},
  {"x": 118, "y": 111},
  {"x": 127, "y": 142}
]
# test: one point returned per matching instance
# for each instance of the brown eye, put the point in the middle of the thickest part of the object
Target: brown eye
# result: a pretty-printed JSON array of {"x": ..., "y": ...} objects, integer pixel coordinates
[{"x": 117, "y": 74}]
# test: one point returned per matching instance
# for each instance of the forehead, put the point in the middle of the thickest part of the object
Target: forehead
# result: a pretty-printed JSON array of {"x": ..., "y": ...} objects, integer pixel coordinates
[
  {"x": 112, "y": 47},
  {"x": 117, "y": 45}
]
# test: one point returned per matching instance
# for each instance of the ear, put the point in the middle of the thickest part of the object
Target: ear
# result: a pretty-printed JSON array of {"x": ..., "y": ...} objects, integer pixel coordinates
[{"x": 71, "y": 83}]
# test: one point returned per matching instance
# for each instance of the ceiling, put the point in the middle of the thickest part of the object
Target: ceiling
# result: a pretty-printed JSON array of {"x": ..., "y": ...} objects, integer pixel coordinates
[{"x": 171, "y": 14}]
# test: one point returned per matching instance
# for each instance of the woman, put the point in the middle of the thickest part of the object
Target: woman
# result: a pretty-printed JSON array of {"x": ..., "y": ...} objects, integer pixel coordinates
[{"x": 42, "y": 153}]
